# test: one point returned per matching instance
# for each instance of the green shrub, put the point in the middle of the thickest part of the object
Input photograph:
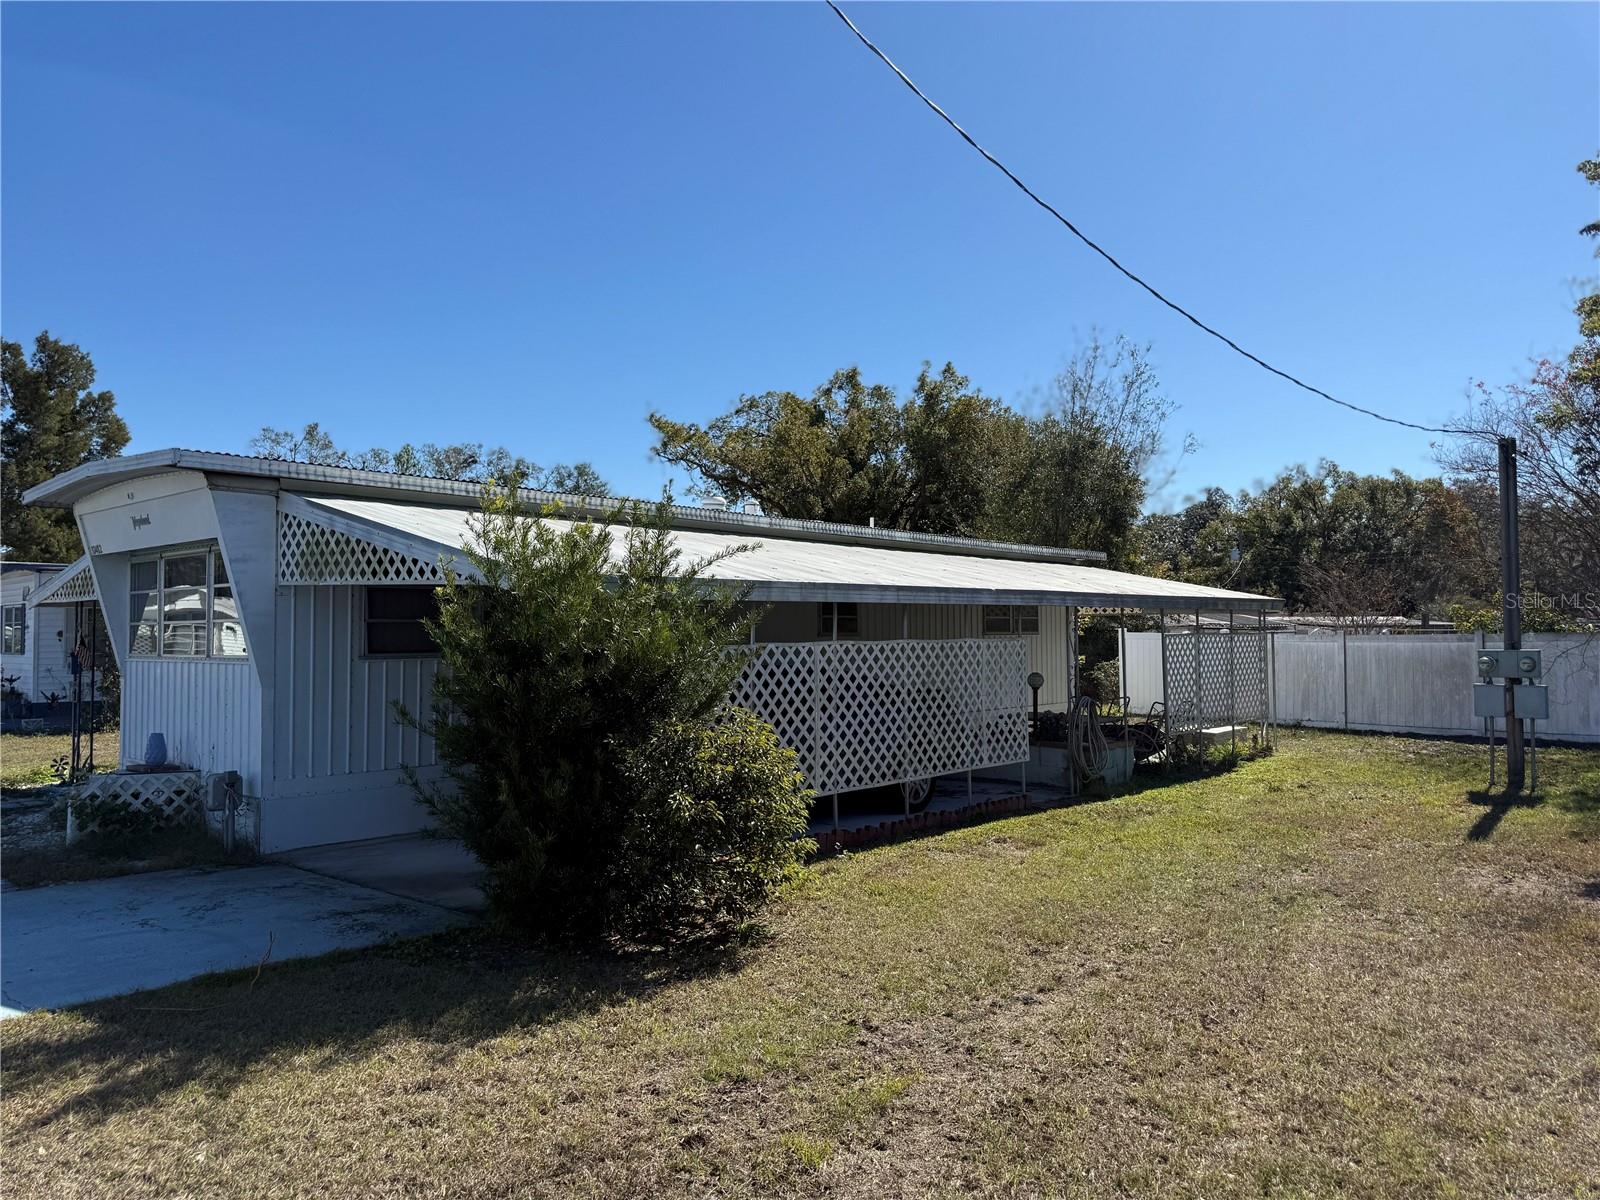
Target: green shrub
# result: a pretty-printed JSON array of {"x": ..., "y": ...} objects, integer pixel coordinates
[
  {"x": 117, "y": 823},
  {"x": 1103, "y": 681},
  {"x": 576, "y": 717},
  {"x": 713, "y": 833}
]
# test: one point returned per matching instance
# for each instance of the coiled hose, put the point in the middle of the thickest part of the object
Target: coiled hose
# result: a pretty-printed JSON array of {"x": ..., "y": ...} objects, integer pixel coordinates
[{"x": 1089, "y": 751}]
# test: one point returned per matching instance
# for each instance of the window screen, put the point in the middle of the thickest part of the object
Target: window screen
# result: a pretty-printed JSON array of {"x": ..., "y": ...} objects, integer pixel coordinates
[
  {"x": 849, "y": 621},
  {"x": 395, "y": 617},
  {"x": 16, "y": 625},
  {"x": 1010, "y": 618}
]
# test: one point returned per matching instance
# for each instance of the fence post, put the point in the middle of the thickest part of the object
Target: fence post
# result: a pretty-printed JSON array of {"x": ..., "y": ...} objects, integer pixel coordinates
[{"x": 1344, "y": 673}]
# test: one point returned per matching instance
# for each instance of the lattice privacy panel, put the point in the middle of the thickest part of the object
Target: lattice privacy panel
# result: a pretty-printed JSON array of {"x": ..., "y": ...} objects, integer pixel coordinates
[
  {"x": 79, "y": 587},
  {"x": 863, "y": 714},
  {"x": 313, "y": 553},
  {"x": 70, "y": 587},
  {"x": 1214, "y": 678},
  {"x": 106, "y": 803}
]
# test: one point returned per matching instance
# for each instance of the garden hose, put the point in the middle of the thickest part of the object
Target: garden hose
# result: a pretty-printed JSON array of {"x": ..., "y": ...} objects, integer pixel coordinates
[{"x": 1089, "y": 751}]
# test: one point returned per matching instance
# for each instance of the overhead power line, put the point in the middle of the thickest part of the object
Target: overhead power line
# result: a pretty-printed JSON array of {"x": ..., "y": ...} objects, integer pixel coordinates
[{"x": 1106, "y": 254}]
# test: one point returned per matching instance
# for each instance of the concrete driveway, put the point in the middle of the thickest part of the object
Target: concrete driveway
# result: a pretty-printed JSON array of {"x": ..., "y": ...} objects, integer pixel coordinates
[
  {"x": 417, "y": 866},
  {"x": 73, "y": 942}
]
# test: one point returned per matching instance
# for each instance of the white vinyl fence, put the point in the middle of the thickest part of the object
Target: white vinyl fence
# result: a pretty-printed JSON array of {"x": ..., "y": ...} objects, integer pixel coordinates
[{"x": 1396, "y": 683}]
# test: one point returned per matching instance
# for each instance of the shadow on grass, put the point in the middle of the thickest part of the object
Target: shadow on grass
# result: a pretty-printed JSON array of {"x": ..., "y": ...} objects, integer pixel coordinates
[
  {"x": 1495, "y": 806},
  {"x": 453, "y": 990}
]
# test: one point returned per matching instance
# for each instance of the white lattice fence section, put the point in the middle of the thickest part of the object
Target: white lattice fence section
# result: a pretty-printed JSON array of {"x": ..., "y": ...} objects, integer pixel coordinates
[
  {"x": 113, "y": 802},
  {"x": 1214, "y": 678},
  {"x": 864, "y": 714},
  {"x": 309, "y": 552}
]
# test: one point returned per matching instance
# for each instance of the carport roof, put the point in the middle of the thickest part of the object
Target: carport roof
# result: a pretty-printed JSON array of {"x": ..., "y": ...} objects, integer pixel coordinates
[{"x": 780, "y": 567}]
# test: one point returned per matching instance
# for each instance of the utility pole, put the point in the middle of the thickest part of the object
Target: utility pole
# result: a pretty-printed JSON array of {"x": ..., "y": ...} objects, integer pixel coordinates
[{"x": 1511, "y": 588}]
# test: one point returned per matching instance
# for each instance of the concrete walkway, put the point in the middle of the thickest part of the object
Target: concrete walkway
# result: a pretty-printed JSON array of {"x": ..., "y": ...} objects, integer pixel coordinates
[
  {"x": 73, "y": 942},
  {"x": 435, "y": 870}
]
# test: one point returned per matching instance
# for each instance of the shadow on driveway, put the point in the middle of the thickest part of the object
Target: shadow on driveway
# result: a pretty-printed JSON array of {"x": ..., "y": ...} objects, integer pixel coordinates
[{"x": 74, "y": 942}]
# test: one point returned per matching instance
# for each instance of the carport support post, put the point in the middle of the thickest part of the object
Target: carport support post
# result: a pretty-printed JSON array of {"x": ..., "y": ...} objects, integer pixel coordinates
[
  {"x": 1233, "y": 694},
  {"x": 1199, "y": 692},
  {"x": 1073, "y": 689},
  {"x": 905, "y": 632},
  {"x": 1166, "y": 700},
  {"x": 1072, "y": 655}
]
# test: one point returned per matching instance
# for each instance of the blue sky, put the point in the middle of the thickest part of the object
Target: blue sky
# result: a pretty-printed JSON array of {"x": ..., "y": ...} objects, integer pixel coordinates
[{"x": 532, "y": 225}]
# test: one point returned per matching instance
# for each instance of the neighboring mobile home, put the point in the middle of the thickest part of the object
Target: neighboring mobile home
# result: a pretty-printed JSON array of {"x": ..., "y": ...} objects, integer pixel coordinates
[
  {"x": 38, "y": 643},
  {"x": 267, "y": 614}
]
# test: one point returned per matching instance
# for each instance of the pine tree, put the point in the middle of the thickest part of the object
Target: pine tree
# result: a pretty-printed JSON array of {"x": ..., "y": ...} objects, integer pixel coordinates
[{"x": 53, "y": 421}]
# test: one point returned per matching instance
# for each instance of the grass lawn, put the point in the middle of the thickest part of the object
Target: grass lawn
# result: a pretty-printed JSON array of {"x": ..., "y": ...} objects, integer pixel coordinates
[
  {"x": 1334, "y": 971},
  {"x": 25, "y": 757}
]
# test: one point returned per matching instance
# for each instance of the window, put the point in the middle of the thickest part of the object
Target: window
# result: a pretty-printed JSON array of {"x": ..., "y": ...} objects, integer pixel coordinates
[
  {"x": 181, "y": 605},
  {"x": 395, "y": 618},
  {"x": 1010, "y": 619},
  {"x": 16, "y": 622},
  {"x": 847, "y": 616}
]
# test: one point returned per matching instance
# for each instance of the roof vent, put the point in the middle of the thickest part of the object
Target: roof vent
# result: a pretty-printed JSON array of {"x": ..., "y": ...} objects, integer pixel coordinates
[{"x": 719, "y": 503}]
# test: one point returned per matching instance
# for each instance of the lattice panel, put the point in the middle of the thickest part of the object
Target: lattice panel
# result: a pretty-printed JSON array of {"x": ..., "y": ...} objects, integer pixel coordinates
[
  {"x": 863, "y": 714},
  {"x": 79, "y": 587},
  {"x": 167, "y": 798},
  {"x": 1250, "y": 671},
  {"x": 313, "y": 553},
  {"x": 70, "y": 587},
  {"x": 1206, "y": 689}
]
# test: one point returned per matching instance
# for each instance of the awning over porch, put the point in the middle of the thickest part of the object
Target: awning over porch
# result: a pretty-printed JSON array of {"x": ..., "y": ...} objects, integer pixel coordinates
[
  {"x": 72, "y": 585},
  {"x": 335, "y": 539}
]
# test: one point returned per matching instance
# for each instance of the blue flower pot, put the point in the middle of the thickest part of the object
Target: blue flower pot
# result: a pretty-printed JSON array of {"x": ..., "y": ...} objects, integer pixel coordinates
[{"x": 155, "y": 750}]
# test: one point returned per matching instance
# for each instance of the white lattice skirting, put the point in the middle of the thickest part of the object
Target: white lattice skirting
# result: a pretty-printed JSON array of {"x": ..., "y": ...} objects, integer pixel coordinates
[
  {"x": 865, "y": 714},
  {"x": 1214, "y": 678},
  {"x": 160, "y": 798},
  {"x": 313, "y": 553}
]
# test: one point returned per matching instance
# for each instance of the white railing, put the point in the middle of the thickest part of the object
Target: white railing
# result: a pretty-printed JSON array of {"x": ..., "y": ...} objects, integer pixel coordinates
[{"x": 865, "y": 714}]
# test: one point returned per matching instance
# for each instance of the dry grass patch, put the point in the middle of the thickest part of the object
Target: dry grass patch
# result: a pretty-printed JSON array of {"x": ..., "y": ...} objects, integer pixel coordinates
[
  {"x": 1338, "y": 971},
  {"x": 25, "y": 758},
  {"x": 33, "y": 848}
]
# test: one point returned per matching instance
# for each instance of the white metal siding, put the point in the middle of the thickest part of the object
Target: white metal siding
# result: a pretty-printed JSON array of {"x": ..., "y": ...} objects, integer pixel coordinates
[
  {"x": 333, "y": 709},
  {"x": 51, "y": 656},
  {"x": 209, "y": 710},
  {"x": 43, "y": 652}
]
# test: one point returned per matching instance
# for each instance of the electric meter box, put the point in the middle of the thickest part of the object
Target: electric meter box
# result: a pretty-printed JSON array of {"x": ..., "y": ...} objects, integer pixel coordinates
[
  {"x": 1530, "y": 700},
  {"x": 1508, "y": 664}
]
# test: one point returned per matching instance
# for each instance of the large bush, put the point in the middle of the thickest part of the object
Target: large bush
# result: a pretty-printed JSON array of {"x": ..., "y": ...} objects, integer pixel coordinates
[{"x": 580, "y": 715}]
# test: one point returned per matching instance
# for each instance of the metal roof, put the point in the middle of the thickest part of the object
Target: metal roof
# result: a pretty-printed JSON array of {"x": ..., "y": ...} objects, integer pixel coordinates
[
  {"x": 796, "y": 568},
  {"x": 71, "y": 486},
  {"x": 9, "y": 565}
]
